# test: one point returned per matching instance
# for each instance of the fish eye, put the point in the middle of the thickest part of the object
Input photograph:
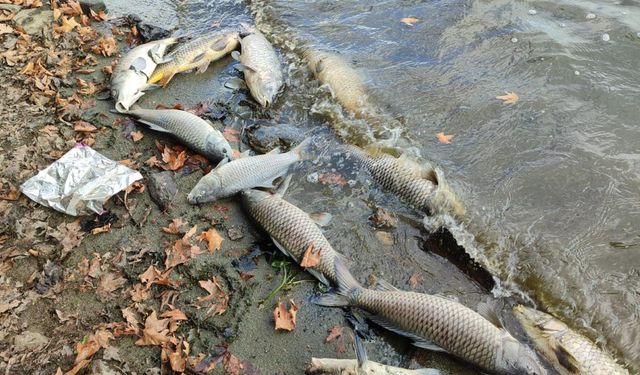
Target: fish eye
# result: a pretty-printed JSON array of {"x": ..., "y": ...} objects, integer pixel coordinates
[{"x": 224, "y": 151}]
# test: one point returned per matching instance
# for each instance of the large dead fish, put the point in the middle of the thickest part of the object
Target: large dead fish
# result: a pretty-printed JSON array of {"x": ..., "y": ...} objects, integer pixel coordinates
[
  {"x": 437, "y": 323},
  {"x": 244, "y": 173},
  {"x": 261, "y": 67},
  {"x": 293, "y": 231},
  {"x": 420, "y": 185},
  {"x": 193, "y": 131},
  {"x": 195, "y": 54},
  {"x": 333, "y": 366},
  {"x": 568, "y": 352},
  {"x": 129, "y": 78}
]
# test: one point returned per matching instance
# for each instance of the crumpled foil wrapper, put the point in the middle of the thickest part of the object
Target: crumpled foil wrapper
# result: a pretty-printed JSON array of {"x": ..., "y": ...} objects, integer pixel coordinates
[{"x": 79, "y": 182}]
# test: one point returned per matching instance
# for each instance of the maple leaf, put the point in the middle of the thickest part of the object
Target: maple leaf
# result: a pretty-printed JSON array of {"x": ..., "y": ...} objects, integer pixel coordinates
[
  {"x": 444, "y": 138},
  {"x": 139, "y": 293},
  {"x": 173, "y": 159},
  {"x": 67, "y": 25},
  {"x": 180, "y": 252},
  {"x": 285, "y": 319},
  {"x": 153, "y": 276},
  {"x": 219, "y": 299},
  {"x": 108, "y": 283},
  {"x": 415, "y": 279},
  {"x": 100, "y": 16},
  {"x": 131, "y": 317},
  {"x": 136, "y": 136},
  {"x": 509, "y": 97},
  {"x": 153, "y": 161},
  {"x": 83, "y": 126},
  {"x": 71, "y": 8},
  {"x": 155, "y": 332},
  {"x": 175, "y": 314},
  {"x": 332, "y": 178},
  {"x": 213, "y": 239},
  {"x": 409, "y": 21},
  {"x": 178, "y": 357},
  {"x": 88, "y": 347},
  {"x": 174, "y": 226},
  {"x": 334, "y": 333},
  {"x": 69, "y": 235},
  {"x": 106, "y": 46},
  {"x": 311, "y": 257}
]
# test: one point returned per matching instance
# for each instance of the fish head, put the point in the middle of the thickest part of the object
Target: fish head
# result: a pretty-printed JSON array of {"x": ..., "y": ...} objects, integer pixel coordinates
[
  {"x": 125, "y": 92},
  {"x": 206, "y": 190},
  {"x": 218, "y": 147},
  {"x": 267, "y": 91},
  {"x": 519, "y": 359}
]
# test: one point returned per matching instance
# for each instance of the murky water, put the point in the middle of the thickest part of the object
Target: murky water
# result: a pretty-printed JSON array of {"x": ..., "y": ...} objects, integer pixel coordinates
[{"x": 551, "y": 183}]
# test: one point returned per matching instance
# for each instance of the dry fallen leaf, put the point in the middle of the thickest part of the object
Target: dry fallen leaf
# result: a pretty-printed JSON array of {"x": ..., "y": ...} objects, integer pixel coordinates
[
  {"x": 444, "y": 138},
  {"x": 153, "y": 276},
  {"x": 88, "y": 347},
  {"x": 67, "y": 25},
  {"x": 219, "y": 299},
  {"x": 334, "y": 333},
  {"x": 108, "y": 283},
  {"x": 509, "y": 97},
  {"x": 174, "y": 226},
  {"x": 410, "y": 21},
  {"x": 136, "y": 136},
  {"x": 83, "y": 126},
  {"x": 180, "y": 252},
  {"x": 69, "y": 235},
  {"x": 415, "y": 279},
  {"x": 213, "y": 239},
  {"x": 311, "y": 257},
  {"x": 155, "y": 332},
  {"x": 178, "y": 357},
  {"x": 175, "y": 160},
  {"x": 102, "y": 229},
  {"x": 285, "y": 319}
]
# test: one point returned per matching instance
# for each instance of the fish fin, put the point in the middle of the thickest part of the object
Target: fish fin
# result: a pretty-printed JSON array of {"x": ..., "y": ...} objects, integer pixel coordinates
[
  {"x": 220, "y": 44},
  {"x": 283, "y": 249},
  {"x": 322, "y": 219},
  {"x": 245, "y": 154},
  {"x": 327, "y": 87},
  {"x": 361, "y": 351},
  {"x": 164, "y": 81},
  {"x": 235, "y": 84},
  {"x": 319, "y": 66},
  {"x": 418, "y": 341},
  {"x": 346, "y": 281},
  {"x": 199, "y": 57},
  {"x": 164, "y": 59},
  {"x": 274, "y": 151},
  {"x": 566, "y": 359},
  {"x": 236, "y": 56},
  {"x": 203, "y": 68},
  {"x": 153, "y": 126},
  {"x": 238, "y": 67},
  {"x": 301, "y": 148},
  {"x": 318, "y": 275},
  {"x": 385, "y": 286},
  {"x": 330, "y": 300},
  {"x": 425, "y": 344},
  {"x": 154, "y": 54},
  {"x": 488, "y": 312},
  {"x": 138, "y": 65},
  {"x": 284, "y": 185},
  {"x": 152, "y": 86}
]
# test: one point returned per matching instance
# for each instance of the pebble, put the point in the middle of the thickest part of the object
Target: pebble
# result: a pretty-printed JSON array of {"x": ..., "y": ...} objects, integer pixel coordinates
[
  {"x": 606, "y": 37},
  {"x": 313, "y": 177},
  {"x": 162, "y": 189},
  {"x": 590, "y": 16},
  {"x": 234, "y": 233},
  {"x": 532, "y": 12},
  {"x": 576, "y": 73},
  {"x": 514, "y": 40}
]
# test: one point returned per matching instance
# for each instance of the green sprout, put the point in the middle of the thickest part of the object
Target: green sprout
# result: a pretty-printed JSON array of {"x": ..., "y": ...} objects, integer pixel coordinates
[{"x": 289, "y": 279}]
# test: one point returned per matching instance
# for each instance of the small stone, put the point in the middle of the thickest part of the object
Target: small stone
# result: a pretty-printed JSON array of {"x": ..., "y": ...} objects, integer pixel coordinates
[
  {"x": 576, "y": 73},
  {"x": 514, "y": 40},
  {"x": 590, "y": 16},
  {"x": 382, "y": 218},
  {"x": 162, "y": 189},
  {"x": 95, "y": 5},
  {"x": 532, "y": 12},
  {"x": 313, "y": 177},
  {"x": 234, "y": 233},
  {"x": 28, "y": 340},
  {"x": 606, "y": 37}
]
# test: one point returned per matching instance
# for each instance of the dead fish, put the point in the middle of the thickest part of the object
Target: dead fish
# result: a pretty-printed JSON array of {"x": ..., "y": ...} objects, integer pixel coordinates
[
  {"x": 129, "y": 78},
  {"x": 244, "y": 173},
  {"x": 333, "y": 366},
  {"x": 193, "y": 131},
  {"x": 292, "y": 230},
  {"x": 568, "y": 352},
  {"x": 437, "y": 323},
  {"x": 345, "y": 83},
  {"x": 195, "y": 54},
  {"x": 261, "y": 67}
]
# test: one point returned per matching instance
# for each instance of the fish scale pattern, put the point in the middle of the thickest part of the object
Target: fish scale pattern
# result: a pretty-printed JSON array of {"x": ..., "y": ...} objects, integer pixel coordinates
[
  {"x": 292, "y": 228},
  {"x": 264, "y": 78},
  {"x": 592, "y": 360},
  {"x": 448, "y": 324}
]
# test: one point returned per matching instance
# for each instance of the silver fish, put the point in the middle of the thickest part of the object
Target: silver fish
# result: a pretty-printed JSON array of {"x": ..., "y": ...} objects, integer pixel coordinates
[
  {"x": 243, "y": 173},
  {"x": 129, "y": 78},
  {"x": 261, "y": 67},
  {"x": 193, "y": 131},
  {"x": 437, "y": 323},
  {"x": 333, "y": 366},
  {"x": 420, "y": 185},
  {"x": 568, "y": 352},
  {"x": 292, "y": 230}
]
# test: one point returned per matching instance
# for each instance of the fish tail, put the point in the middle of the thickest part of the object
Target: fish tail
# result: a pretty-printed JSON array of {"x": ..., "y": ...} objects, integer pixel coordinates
[
  {"x": 347, "y": 285},
  {"x": 301, "y": 150},
  {"x": 444, "y": 199}
]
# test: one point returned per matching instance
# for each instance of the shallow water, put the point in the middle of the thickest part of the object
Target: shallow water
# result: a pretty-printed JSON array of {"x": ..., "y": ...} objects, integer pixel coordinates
[{"x": 551, "y": 183}]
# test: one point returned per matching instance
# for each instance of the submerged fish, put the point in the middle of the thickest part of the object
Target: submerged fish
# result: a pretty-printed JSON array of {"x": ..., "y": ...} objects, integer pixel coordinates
[
  {"x": 420, "y": 185},
  {"x": 193, "y": 131},
  {"x": 129, "y": 78},
  {"x": 195, "y": 54},
  {"x": 292, "y": 230},
  {"x": 437, "y": 323},
  {"x": 568, "y": 352},
  {"x": 261, "y": 67},
  {"x": 247, "y": 172}
]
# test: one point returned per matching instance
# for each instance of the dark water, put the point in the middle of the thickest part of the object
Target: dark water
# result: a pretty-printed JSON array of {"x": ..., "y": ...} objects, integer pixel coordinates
[{"x": 551, "y": 184}]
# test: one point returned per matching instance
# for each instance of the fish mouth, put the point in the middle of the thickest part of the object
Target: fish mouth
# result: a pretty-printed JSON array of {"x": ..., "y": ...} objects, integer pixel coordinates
[
  {"x": 192, "y": 199},
  {"x": 121, "y": 108}
]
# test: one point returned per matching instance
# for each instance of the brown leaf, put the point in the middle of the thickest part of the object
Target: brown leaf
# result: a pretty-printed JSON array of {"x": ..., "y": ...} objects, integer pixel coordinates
[
  {"x": 219, "y": 299},
  {"x": 285, "y": 319},
  {"x": 108, "y": 283},
  {"x": 83, "y": 126},
  {"x": 100, "y": 16},
  {"x": 332, "y": 178},
  {"x": 139, "y": 293},
  {"x": 106, "y": 46},
  {"x": 136, "y": 136},
  {"x": 415, "y": 279},
  {"x": 334, "y": 333},
  {"x": 509, "y": 97},
  {"x": 311, "y": 257},
  {"x": 102, "y": 229},
  {"x": 153, "y": 276},
  {"x": 175, "y": 314},
  {"x": 155, "y": 332},
  {"x": 69, "y": 235},
  {"x": 153, "y": 162},
  {"x": 11, "y": 195},
  {"x": 213, "y": 239},
  {"x": 409, "y": 21},
  {"x": 180, "y": 252},
  {"x": 178, "y": 357},
  {"x": 444, "y": 138},
  {"x": 88, "y": 347},
  {"x": 131, "y": 317},
  {"x": 174, "y": 226},
  {"x": 174, "y": 160},
  {"x": 67, "y": 25}
]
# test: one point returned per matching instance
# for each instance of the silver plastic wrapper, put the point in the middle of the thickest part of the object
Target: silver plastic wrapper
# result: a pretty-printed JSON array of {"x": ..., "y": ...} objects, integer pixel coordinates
[{"x": 79, "y": 182}]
